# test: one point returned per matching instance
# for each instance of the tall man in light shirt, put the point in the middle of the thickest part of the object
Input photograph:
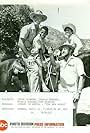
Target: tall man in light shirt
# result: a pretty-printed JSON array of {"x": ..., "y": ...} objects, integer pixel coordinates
[
  {"x": 27, "y": 35},
  {"x": 29, "y": 32},
  {"x": 34, "y": 62}
]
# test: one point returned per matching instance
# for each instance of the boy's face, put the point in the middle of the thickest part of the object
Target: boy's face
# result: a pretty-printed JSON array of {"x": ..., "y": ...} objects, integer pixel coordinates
[
  {"x": 68, "y": 32},
  {"x": 43, "y": 33}
]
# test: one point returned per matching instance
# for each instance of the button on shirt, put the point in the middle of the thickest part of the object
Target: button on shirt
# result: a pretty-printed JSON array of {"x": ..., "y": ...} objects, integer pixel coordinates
[{"x": 69, "y": 74}]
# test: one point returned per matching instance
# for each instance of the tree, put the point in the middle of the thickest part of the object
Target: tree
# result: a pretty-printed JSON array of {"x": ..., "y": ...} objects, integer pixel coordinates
[{"x": 12, "y": 18}]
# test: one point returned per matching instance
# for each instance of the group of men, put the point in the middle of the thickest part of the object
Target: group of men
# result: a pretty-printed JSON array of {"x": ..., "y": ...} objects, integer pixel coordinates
[{"x": 67, "y": 65}]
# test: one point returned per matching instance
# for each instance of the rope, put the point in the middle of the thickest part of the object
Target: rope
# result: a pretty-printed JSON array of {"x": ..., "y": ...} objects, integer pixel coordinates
[
  {"x": 87, "y": 76},
  {"x": 49, "y": 72}
]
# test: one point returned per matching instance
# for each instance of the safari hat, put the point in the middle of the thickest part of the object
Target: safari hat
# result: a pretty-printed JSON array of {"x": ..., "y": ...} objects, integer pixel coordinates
[
  {"x": 39, "y": 14},
  {"x": 71, "y": 26},
  {"x": 71, "y": 46}
]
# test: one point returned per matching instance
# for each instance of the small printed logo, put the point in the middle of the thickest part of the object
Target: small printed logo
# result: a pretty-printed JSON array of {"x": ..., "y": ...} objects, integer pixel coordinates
[{"x": 3, "y": 125}]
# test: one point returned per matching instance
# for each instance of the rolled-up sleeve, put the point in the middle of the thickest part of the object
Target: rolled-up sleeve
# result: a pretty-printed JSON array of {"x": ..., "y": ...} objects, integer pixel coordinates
[{"x": 24, "y": 32}]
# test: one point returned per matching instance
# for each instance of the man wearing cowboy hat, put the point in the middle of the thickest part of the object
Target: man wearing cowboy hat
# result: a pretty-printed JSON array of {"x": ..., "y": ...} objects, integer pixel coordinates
[
  {"x": 34, "y": 62},
  {"x": 72, "y": 38},
  {"x": 71, "y": 74},
  {"x": 28, "y": 32}
]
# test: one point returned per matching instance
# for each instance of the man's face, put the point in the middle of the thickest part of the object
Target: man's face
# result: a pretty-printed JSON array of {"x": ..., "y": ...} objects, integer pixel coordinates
[
  {"x": 43, "y": 33},
  {"x": 37, "y": 20},
  {"x": 65, "y": 51},
  {"x": 68, "y": 32}
]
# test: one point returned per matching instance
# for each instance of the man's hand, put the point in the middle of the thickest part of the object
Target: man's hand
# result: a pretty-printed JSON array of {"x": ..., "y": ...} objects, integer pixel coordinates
[
  {"x": 44, "y": 65},
  {"x": 50, "y": 50}
]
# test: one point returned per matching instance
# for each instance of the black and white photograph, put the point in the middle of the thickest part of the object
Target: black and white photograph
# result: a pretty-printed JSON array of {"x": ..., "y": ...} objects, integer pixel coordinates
[{"x": 46, "y": 49}]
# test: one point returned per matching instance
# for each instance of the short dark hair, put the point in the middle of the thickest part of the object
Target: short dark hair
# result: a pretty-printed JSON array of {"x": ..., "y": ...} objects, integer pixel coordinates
[{"x": 45, "y": 28}]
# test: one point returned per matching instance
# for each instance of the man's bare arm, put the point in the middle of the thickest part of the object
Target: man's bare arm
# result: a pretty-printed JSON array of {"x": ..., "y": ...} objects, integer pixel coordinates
[
  {"x": 80, "y": 87},
  {"x": 81, "y": 83}
]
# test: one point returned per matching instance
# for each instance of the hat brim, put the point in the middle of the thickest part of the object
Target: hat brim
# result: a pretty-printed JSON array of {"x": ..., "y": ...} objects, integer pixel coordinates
[
  {"x": 68, "y": 26},
  {"x": 66, "y": 46},
  {"x": 42, "y": 17}
]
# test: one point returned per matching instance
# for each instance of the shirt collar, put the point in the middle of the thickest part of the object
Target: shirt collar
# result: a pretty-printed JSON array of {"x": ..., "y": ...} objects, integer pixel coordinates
[
  {"x": 33, "y": 26},
  {"x": 70, "y": 58}
]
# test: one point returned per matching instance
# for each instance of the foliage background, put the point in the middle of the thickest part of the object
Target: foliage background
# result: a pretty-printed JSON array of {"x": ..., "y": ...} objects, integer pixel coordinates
[{"x": 13, "y": 18}]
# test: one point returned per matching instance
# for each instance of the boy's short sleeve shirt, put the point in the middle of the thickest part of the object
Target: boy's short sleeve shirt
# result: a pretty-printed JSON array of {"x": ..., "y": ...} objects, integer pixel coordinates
[
  {"x": 74, "y": 39},
  {"x": 38, "y": 44}
]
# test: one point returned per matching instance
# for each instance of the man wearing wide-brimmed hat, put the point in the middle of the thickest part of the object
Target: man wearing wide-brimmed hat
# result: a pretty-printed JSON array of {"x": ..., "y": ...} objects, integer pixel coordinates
[
  {"x": 30, "y": 48},
  {"x": 34, "y": 62},
  {"x": 71, "y": 74},
  {"x": 72, "y": 38},
  {"x": 28, "y": 32}
]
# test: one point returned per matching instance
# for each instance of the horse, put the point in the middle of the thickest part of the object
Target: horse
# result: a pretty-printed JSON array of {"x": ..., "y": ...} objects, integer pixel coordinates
[
  {"x": 8, "y": 79},
  {"x": 85, "y": 57},
  {"x": 83, "y": 118},
  {"x": 5, "y": 75}
]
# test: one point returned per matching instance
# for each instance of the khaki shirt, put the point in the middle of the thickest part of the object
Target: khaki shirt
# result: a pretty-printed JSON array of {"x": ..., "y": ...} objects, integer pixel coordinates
[
  {"x": 70, "y": 71},
  {"x": 27, "y": 34}
]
